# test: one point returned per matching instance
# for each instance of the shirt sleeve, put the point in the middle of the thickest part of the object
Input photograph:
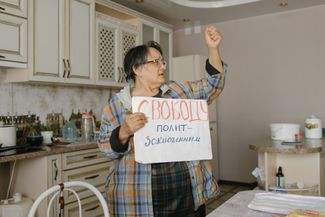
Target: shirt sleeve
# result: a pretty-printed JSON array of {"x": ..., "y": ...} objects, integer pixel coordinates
[
  {"x": 208, "y": 87},
  {"x": 112, "y": 117},
  {"x": 210, "y": 69},
  {"x": 115, "y": 142}
]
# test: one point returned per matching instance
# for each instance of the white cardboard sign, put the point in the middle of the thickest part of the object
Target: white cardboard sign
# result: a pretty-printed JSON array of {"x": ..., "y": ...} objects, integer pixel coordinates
[{"x": 177, "y": 130}]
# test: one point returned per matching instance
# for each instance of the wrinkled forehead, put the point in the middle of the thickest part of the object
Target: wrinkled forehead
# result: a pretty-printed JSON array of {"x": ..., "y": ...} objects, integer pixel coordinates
[{"x": 153, "y": 53}]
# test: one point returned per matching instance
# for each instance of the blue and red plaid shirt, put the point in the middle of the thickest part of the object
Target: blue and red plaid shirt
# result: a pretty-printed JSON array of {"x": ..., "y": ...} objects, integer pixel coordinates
[{"x": 129, "y": 185}]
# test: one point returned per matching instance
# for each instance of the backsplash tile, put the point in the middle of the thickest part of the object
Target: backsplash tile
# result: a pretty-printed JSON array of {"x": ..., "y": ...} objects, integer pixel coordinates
[{"x": 44, "y": 99}]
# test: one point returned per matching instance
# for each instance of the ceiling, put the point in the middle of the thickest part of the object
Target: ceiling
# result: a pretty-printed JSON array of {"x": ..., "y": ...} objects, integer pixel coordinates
[{"x": 174, "y": 14}]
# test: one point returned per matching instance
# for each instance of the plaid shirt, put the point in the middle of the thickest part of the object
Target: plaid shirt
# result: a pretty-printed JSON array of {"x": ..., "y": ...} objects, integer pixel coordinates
[{"x": 129, "y": 185}]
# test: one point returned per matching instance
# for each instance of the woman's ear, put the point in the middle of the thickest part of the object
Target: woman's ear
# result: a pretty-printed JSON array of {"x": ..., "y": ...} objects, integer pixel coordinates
[{"x": 137, "y": 70}]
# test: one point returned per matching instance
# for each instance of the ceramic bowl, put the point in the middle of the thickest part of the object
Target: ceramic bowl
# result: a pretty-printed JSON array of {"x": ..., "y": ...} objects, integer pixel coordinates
[{"x": 34, "y": 140}]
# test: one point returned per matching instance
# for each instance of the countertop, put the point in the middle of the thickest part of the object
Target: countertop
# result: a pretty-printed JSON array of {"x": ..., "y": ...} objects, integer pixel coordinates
[
  {"x": 276, "y": 146},
  {"x": 49, "y": 150}
]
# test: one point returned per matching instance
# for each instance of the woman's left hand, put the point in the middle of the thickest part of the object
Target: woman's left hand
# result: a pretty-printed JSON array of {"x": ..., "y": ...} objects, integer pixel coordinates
[{"x": 212, "y": 37}]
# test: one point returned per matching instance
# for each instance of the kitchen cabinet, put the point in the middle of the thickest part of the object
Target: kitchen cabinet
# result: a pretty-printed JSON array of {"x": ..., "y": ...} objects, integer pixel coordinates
[
  {"x": 16, "y": 8},
  {"x": 63, "y": 37},
  {"x": 192, "y": 67},
  {"x": 300, "y": 163},
  {"x": 34, "y": 176},
  {"x": 113, "y": 39},
  {"x": 152, "y": 31},
  {"x": 62, "y": 41},
  {"x": 86, "y": 165},
  {"x": 13, "y": 28}
]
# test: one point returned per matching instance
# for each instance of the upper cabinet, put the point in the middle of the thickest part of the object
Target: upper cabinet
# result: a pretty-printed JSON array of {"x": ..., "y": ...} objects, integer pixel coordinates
[
  {"x": 13, "y": 28},
  {"x": 113, "y": 39},
  {"x": 77, "y": 42},
  {"x": 16, "y": 8},
  {"x": 63, "y": 40}
]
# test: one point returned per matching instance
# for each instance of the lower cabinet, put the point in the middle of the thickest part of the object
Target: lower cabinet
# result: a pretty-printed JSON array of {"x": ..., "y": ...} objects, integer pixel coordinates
[
  {"x": 34, "y": 176},
  {"x": 91, "y": 207}
]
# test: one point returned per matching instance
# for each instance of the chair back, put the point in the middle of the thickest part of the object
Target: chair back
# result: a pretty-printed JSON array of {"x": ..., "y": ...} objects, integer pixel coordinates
[{"x": 68, "y": 186}]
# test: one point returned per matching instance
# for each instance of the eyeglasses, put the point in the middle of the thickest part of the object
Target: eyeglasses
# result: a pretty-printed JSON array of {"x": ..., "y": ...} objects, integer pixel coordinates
[{"x": 162, "y": 62}]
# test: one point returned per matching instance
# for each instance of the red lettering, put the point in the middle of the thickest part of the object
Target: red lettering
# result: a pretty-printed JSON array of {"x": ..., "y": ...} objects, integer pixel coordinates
[
  {"x": 181, "y": 105},
  {"x": 205, "y": 111},
  {"x": 174, "y": 111},
  {"x": 155, "y": 109},
  {"x": 197, "y": 118},
  {"x": 163, "y": 112},
  {"x": 140, "y": 105}
]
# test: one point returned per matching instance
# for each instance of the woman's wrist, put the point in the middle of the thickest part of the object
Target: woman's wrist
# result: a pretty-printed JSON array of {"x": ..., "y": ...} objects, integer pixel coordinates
[{"x": 123, "y": 135}]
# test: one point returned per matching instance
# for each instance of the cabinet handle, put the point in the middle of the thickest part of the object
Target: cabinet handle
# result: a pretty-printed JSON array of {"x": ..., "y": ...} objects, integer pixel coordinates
[
  {"x": 91, "y": 209},
  {"x": 90, "y": 156},
  {"x": 92, "y": 177},
  {"x": 56, "y": 171},
  {"x": 3, "y": 9},
  {"x": 65, "y": 67},
  {"x": 69, "y": 69},
  {"x": 1, "y": 56}
]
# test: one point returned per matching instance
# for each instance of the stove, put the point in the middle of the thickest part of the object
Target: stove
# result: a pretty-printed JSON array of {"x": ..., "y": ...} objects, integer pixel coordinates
[{"x": 19, "y": 149}]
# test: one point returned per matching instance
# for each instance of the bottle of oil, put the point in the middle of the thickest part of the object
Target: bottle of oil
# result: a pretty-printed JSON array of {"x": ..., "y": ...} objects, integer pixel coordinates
[{"x": 279, "y": 178}]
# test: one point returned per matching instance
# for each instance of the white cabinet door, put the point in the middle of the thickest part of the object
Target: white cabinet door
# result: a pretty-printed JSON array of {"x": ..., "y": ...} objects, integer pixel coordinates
[
  {"x": 34, "y": 176},
  {"x": 148, "y": 32},
  {"x": 49, "y": 16},
  {"x": 128, "y": 38},
  {"x": 13, "y": 43},
  {"x": 63, "y": 41},
  {"x": 113, "y": 39},
  {"x": 14, "y": 7},
  {"x": 81, "y": 41},
  {"x": 107, "y": 63}
]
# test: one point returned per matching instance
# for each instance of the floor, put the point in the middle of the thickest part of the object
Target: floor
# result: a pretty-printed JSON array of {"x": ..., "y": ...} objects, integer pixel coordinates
[{"x": 227, "y": 191}]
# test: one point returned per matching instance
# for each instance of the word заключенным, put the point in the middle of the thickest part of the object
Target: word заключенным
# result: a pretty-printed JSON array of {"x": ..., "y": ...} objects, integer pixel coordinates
[
  {"x": 161, "y": 140},
  {"x": 187, "y": 110}
]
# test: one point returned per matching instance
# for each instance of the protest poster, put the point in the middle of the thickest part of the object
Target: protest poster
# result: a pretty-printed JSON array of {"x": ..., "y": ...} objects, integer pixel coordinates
[{"x": 177, "y": 130}]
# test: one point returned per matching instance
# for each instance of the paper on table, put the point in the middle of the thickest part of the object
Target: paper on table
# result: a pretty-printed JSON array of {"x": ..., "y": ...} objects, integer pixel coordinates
[{"x": 284, "y": 203}]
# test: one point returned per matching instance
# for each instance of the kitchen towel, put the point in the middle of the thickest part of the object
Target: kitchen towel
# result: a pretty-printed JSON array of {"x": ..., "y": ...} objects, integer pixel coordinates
[{"x": 280, "y": 203}]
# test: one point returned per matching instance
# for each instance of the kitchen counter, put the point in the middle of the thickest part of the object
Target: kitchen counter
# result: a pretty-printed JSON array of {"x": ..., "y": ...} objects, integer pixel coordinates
[
  {"x": 275, "y": 146},
  {"x": 49, "y": 150}
]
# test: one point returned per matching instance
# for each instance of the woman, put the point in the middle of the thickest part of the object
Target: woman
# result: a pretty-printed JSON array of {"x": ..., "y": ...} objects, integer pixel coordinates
[{"x": 163, "y": 189}]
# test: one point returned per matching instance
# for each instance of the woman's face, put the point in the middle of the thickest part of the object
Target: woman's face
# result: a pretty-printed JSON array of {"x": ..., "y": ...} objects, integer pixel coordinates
[{"x": 152, "y": 72}]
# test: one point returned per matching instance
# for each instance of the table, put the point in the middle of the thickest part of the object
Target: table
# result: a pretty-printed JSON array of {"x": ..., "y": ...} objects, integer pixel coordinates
[{"x": 236, "y": 206}]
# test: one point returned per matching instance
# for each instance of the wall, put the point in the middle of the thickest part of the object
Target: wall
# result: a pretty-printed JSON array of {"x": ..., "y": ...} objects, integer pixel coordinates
[
  {"x": 276, "y": 74},
  {"x": 44, "y": 99}
]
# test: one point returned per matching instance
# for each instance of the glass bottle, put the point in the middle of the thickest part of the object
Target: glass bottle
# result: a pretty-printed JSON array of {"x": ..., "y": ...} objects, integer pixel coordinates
[{"x": 279, "y": 178}]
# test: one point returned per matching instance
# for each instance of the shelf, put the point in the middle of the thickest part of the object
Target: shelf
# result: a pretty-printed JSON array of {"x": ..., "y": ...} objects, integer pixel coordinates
[{"x": 312, "y": 190}]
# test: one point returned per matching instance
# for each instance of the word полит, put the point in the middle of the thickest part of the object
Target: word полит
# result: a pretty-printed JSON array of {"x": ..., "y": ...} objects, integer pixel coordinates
[{"x": 174, "y": 109}]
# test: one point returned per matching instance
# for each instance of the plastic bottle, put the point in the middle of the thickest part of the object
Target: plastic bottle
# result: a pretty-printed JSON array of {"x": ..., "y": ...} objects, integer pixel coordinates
[{"x": 279, "y": 178}]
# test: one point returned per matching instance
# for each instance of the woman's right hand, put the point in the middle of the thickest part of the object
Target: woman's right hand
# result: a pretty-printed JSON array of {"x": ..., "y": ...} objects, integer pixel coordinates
[{"x": 131, "y": 123}]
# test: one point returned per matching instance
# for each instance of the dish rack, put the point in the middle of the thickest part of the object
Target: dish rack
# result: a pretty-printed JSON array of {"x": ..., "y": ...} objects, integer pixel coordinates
[{"x": 308, "y": 190}]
